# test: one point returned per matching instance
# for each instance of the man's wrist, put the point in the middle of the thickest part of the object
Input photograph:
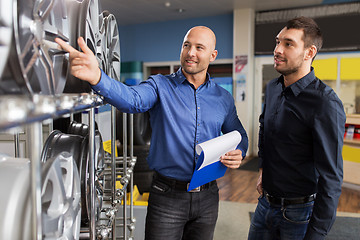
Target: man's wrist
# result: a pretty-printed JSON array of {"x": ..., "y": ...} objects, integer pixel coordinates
[{"x": 97, "y": 79}]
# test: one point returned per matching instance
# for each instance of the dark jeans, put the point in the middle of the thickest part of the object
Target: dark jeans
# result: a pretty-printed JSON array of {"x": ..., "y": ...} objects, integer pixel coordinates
[
  {"x": 176, "y": 215},
  {"x": 275, "y": 223}
]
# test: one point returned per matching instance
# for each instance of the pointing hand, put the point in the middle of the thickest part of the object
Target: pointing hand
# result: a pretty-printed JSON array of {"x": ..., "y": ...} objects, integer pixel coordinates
[{"x": 83, "y": 65}]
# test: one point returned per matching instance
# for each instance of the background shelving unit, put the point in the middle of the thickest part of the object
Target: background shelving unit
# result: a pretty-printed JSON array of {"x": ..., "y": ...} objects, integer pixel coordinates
[
  {"x": 31, "y": 113},
  {"x": 36, "y": 87},
  {"x": 351, "y": 153}
]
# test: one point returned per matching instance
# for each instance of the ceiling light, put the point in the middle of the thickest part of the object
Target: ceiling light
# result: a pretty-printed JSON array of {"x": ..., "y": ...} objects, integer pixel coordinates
[{"x": 167, "y": 4}]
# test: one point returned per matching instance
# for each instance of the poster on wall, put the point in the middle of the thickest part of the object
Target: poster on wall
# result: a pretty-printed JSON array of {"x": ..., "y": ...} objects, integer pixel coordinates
[
  {"x": 240, "y": 90},
  {"x": 240, "y": 77}
]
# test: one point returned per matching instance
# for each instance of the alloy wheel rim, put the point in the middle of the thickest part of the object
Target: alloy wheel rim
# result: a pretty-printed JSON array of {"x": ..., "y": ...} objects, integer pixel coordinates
[
  {"x": 61, "y": 211},
  {"x": 36, "y": 25},
  {"x": 113, "y": 47}
]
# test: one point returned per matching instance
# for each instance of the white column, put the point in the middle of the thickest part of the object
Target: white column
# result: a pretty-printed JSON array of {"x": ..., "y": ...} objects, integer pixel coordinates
[{"x": 243, "y": 69}]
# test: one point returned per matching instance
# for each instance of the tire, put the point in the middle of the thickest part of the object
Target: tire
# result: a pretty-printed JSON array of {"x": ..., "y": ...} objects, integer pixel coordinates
[
  {"x": 141, "y": 153},
  {"x": 142, "y": 128},
  {"x": 143, "y": 180}
]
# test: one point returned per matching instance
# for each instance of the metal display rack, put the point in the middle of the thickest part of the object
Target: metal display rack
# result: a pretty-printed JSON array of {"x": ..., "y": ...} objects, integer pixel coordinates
[
  {"x": 35, "y": 64},
  {"x": 31, "y": 112}
]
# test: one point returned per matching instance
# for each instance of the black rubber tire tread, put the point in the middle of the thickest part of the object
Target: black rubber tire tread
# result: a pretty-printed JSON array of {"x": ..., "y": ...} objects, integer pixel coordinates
[{"x": 142, "y": 128}]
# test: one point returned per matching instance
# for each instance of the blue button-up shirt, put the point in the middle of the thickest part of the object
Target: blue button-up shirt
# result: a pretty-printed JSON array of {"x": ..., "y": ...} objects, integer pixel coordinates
[
  {"x": 300, "y": 145},
  {"x": 180, "y": 117}
]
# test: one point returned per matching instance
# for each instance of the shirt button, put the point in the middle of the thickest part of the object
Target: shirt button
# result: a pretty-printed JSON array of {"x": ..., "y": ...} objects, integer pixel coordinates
[
  {"x": 198, "y": 107},
  {"x": 198, "y": 124}
]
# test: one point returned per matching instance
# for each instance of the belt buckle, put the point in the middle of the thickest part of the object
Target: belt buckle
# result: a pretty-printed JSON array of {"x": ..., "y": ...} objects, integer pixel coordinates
[
  {"x": 267, "y": 196},
  {"x": 198, "y": 189}
]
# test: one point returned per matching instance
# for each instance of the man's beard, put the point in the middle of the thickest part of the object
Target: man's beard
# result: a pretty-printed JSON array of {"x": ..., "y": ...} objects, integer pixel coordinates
[
  {"x": 192, "y": 71},
  {"x": 290, "y": 70}
]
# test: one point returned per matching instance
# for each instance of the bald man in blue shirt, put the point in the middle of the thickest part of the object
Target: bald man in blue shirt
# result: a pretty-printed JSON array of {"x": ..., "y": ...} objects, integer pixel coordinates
[{"x": 186, "y": 108}]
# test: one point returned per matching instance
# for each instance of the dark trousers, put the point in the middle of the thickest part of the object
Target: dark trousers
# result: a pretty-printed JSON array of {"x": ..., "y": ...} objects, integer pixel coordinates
[
  {"x": 181, "y": 215},
  {"x": 280, "y": 223}
]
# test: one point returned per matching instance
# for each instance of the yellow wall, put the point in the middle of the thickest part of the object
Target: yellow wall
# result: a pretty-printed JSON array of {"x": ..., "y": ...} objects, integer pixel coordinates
[
  {"x": 350, "y": 69},
  {"x": 351, "y": 154},
  {"x": 326, "y": 69}
]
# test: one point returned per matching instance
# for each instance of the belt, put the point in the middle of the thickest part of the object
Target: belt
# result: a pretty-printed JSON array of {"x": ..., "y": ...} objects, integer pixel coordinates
[
  {"x": 289, "y": 201},
  {"x": 182, "y": 185}
]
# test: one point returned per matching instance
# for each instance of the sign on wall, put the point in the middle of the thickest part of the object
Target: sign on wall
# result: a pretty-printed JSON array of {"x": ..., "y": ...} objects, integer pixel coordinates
[{"x": 241, "y": 70}]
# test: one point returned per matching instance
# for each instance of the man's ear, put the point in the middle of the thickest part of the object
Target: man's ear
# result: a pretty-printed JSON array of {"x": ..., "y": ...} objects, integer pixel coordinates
[
  {"x": 310, "y": 52},
  {"x": 213, "y": 55}
]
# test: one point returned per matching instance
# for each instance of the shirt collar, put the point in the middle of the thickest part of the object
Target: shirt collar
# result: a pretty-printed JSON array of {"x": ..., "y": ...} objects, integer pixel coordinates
[
  {"x": 301, "y": 84},
  {"x": 180, "y": 77}
]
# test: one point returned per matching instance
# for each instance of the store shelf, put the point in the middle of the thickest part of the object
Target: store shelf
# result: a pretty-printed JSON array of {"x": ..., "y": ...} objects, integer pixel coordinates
[
  {"x": 30, "y": 111},
  {"x": 351, "y": 172},
  {"x": 354, "y": 142},
  {"x": 19, "y": 110},
  {"x": 353, "y": 119},
  {"x": 351, "y": 151}
]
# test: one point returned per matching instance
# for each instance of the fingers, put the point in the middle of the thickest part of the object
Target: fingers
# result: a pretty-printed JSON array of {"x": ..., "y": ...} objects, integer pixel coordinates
[
  {"x": 83, "y": 65},
  {"x": 79, "y": 61},
  {"x": 84, "y": 47},
  {"x": 232, "y": 159},
  {"x": 235, "y": 152},
  {"x": 75, "y": 53},
  {"x": 231, "y": 163},
  {"x": 235, "y": 155},
  {"x": 65, "y": 45}
]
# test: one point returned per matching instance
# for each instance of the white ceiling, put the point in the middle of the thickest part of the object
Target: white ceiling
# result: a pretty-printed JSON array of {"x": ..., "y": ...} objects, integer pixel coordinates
[{"x": 144, "y": 11}]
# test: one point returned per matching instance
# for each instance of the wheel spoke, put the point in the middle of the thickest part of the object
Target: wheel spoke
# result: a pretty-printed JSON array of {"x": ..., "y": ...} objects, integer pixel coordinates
[
  {"x": 115, "y": 74},
  {"x": 52, "y": 226},
  {"x": 116, "y": 57},
  {"x": 42, "y": 8},
  {"x": 61, "y": 191},
  {"x": 113, "y": 47},
  {"x": 29, "y": 54},
  {"x": 72, "y": 216},
  {"x": 53, "y": 191},
  {"x": 45, "y": 70},
  {"x": 67, "y": 175}
]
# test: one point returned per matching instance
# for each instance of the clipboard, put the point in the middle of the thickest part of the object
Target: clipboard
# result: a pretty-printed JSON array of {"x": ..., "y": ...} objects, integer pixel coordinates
[{"x": 209, "y": 167}]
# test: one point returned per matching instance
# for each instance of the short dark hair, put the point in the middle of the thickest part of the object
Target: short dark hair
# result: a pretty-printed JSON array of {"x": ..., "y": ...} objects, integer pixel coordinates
[{"x": 312, "y": 33}]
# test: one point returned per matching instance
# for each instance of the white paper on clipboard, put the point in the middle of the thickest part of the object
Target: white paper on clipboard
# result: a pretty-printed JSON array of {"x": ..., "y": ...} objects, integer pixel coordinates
[{"x": 217, "y": 147}]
